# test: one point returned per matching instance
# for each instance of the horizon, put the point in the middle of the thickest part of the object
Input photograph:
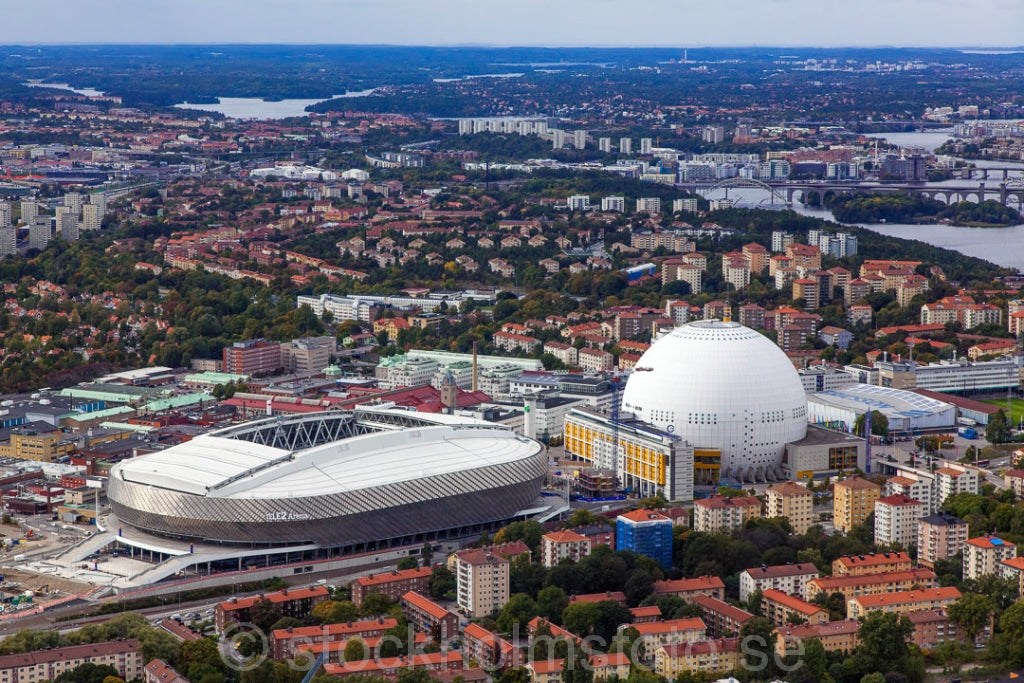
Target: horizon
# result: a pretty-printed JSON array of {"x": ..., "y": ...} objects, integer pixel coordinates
[{"x": 966, "y": 48}]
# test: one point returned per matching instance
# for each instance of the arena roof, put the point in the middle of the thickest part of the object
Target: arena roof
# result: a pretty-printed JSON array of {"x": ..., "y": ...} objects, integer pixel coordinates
[{"x": 375, "y": 454}]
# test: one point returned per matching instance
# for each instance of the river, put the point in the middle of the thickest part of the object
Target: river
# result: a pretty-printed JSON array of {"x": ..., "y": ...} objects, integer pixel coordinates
[{"x": 1003, "y": 246}]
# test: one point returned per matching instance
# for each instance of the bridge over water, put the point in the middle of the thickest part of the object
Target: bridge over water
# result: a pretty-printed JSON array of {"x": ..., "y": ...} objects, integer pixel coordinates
[{"x": 783, "y": 192}]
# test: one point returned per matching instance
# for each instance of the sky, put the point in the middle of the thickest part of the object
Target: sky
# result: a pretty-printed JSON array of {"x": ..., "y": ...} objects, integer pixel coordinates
[{"x": 830, "y": 23}]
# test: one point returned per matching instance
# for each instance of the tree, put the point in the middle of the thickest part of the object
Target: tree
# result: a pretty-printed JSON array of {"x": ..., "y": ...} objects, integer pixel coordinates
[
  {"x": 409, "y": 562},
  {"x": 427, "y": 554},
  {"x": 972, "y": 613},
  {"x": 576, "y": 668},
  {"x": 758, "y": 638},
  {"x": 997, "y": 430},
  {"x": 885, "y": 646},
  {"x": 263, "y": 614},
  {"x": 375, "y": 604},
  {"x": 356, "y": 650},
  {"x": 87, "y": 673},
  {"x": 879, "y": 424},
  {"x": 551, "y": 602},
  {"x": 579, "y": 618},
  {"x": 336, "y": 611},
  {"x": 442, "y": 582},
  {"x": 517, "y": 612}
]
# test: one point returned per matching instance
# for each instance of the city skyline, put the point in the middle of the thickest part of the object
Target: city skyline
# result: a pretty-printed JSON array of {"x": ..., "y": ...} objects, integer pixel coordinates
[{"x": 557, "y": 23}]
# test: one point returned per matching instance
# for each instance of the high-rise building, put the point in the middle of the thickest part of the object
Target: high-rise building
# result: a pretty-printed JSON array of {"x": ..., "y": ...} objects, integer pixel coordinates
[
  {"x": 688, "y": 204},
  {"x": 252, "y": 357},
  {"x": 8, "y": 240},
  {"x": 579, "y": 139},
  {"x": 39, "y": 234},
  {"x": 613, "y": 204},
  {"x": 896, "y": 519},
  {"x": 99, "y": 199},
  {"x": 73, "y": 200},
  {"x": 982, "y": 556},
  {"x": 5, "y": 214},
  {"x": 604, "y": 145},
  {"x": 482, "y": 582},
  {"x": 939, "y": 537},
  {"x": 29, "y": 211},
  {"x": 67, "y": 224},
  {"x": 645, "y": 532},
  {"x": 648, "y": 205},
  {"x": 557, "y": 138},
  {"x": 625, "y": 145},
  {"x": 578, "y": 202},
  {"x": 853, "y": 500},
  {"x": 92, "y": 219},
  {"x": 646, "y": 145},
  {"x": 792, "y": 501},
  {"x": 713, "y": 134}
]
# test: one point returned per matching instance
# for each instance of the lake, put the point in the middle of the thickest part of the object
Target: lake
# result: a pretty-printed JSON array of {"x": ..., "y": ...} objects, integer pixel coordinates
[{"x": 258, "y": 108}]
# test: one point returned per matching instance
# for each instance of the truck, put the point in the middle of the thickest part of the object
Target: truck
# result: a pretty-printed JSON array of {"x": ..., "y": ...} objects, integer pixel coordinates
[{"x": 968, "y": 432}]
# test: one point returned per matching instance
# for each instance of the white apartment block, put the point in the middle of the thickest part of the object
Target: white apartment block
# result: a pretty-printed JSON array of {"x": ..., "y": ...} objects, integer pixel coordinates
[
  {"x": 578, "y": 202},
  {"x": 595, "y": 360},
  {"x": 791, "y": 579},
  {"x": 566, "y": 353},
  {"x": 625, "y": 145},
  {"x": 896, "y": 519},
  {"x": 648, "y": 205},
  {"x": 617, "y": 204},
  {"x": 689, "y": 204}
]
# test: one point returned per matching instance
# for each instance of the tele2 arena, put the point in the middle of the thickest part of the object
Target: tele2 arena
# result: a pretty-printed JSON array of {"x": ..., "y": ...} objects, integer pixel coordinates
[{"x": 335, "y": 480}]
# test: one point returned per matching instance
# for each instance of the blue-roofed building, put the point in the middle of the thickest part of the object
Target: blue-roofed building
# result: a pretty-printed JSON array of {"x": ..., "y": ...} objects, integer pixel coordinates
[
  {"x": 645, "y": 532},
  {"x": 984, "y": 555}
]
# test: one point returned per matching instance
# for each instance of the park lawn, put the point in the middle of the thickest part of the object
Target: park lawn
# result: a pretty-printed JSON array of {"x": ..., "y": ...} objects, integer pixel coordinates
[{"x": 1016, "y": 409}]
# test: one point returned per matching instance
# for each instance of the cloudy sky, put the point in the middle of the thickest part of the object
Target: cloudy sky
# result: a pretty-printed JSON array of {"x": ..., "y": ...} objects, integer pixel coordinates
[{"x": 989, "y": 23}]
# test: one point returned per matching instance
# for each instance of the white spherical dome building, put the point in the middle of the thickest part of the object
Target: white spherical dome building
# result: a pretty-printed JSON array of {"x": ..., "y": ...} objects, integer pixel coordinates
[{"x": 722, "y": 386}]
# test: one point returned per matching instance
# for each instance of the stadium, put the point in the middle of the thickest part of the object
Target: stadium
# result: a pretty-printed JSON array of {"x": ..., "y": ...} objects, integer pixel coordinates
[
  {"x": 724, "y": 388},
  {"x": 343, "y": 480}
]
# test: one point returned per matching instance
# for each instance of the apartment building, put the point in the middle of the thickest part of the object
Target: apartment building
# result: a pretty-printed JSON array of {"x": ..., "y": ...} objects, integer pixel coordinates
[
  {"x": 252, "y": 357},
  {"x": 719, "y": 513},
  {"x": 870, "y": 584},
  {"x": 835, "y": 636},
  {"x": 393, "y": 584},
  {"x": 792, "y": 501},
  {"x": 872, "y": 563},
  {"x": 721, "y": 618},
  {"x": 287, "y": 642},
  {"x": 717, "y": 656},
  {"x": 853, "y": 500},
  {"x": 939, "y": 537},
  {"x": 689, "y": 589},
  {"x": 902, "y": 602},
  {"x": 563, "y": 545},
  {"x": 645, "y": 532},
  {"x": 290, "y": 602},
  {"x": 778, "y": 607},
  {"x": 48, "y": 664},
  {"x": 896, "y": 519},
  {"x": 788, "y": 578},
  {"x": 655, "y": 634},
  {"x": 482, "y": 580},
  {"x": 426, "y": 616},
  {"x": 984, "y": 554}
]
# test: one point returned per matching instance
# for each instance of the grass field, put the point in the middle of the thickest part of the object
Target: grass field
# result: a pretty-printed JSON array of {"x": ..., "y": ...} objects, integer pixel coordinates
[{"x": 1016, "y": 408}]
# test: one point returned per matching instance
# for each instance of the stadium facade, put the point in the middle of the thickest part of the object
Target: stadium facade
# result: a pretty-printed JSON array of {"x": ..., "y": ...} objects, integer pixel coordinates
[{"x": 336, "y": 480}]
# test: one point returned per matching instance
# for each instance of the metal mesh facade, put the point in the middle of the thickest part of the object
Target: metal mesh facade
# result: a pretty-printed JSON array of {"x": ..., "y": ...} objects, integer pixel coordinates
[{"x": 417, "y": 505}]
